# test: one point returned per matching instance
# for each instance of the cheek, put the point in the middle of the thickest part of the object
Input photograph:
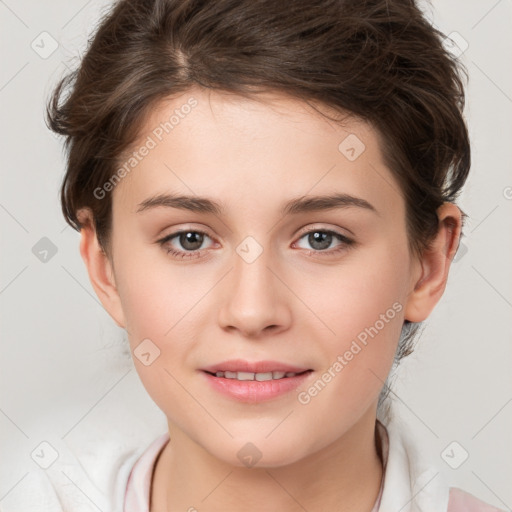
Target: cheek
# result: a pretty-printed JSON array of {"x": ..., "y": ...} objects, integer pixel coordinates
[
  {"x": 355, "y": 295},
  {"x": 165, "y": 312},
  {"x": 160, "y": 343},
  {"x": 154, "y": 297},
  {"x": 362, "y": 308}
]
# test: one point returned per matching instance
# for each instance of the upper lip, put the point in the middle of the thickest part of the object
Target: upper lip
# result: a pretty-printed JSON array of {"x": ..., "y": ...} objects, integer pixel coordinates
[{"x": 240, "y": 365}]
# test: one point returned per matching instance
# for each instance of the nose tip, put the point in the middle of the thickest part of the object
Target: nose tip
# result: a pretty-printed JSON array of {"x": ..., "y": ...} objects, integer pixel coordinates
[{"x": 253, "y": 302}]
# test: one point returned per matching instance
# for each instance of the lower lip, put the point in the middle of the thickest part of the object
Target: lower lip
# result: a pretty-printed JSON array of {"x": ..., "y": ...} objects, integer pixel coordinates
[{"x": 253, "y": 390}]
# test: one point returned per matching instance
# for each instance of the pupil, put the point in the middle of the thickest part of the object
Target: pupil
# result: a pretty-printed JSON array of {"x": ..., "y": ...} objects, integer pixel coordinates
[
  {"x": 188, "y": 238},
  {"x": 323, "y": 238}
]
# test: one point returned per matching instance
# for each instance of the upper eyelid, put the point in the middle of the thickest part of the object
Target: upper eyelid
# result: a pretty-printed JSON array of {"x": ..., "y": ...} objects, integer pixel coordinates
[
  {"x": 309, "y": 229},
  {"x": 180, "y": 231}
]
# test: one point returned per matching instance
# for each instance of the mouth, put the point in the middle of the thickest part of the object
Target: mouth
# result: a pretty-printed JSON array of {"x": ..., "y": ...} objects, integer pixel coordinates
[
  {"x": 260, "y": 377},
  {"x": 241, "y": 369},
  {"x": 260, "y": 381}
]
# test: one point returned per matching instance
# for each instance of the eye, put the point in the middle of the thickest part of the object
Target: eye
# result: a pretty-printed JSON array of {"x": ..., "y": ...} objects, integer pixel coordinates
[
  {"x": 321, "y": 239},
  {"x": 190, "y": 240}
]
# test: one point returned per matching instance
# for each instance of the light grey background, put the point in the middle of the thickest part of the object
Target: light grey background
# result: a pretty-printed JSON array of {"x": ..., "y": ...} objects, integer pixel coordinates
[{"x": 63, "y": 360}]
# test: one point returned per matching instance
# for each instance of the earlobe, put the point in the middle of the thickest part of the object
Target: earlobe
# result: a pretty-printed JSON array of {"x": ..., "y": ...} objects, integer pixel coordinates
[
  {"x": 100, "y": 271},
  {"x": 427, "y": 290}
]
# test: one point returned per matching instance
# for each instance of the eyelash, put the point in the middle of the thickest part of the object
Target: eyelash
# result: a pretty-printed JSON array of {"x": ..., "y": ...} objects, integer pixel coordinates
[{"x": 346, "y": 243}]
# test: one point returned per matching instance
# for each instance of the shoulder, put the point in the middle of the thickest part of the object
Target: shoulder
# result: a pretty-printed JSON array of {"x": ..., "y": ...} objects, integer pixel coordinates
[
  {"x": 412, "y": 476},
  {"x": 80, "y": 478},
  {"x": 462, "y": 501},
  {"x": 34, "y": 487}
]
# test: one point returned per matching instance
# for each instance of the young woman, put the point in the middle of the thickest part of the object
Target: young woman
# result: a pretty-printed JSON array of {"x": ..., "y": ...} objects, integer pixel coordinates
[{"x": 265, "y": 193}]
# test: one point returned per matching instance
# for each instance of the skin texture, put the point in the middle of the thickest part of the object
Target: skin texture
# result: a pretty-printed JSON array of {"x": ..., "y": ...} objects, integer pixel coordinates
[{"x": 295, "y": 303}]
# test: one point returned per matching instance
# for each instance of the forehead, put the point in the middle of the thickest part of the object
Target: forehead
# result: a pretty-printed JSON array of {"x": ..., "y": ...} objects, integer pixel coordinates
[{"x": 246, "y": 151}]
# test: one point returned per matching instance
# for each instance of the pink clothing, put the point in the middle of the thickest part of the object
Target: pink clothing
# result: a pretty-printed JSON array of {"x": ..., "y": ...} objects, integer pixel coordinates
[
  {"x": 461, "y": 501},
  {"x": 139, "y": 483}
]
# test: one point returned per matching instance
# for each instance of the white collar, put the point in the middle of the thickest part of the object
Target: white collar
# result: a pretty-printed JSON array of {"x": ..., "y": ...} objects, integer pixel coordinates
[
  {"x": 411, "y": 482},
  {"x": 90, "y": 476}
]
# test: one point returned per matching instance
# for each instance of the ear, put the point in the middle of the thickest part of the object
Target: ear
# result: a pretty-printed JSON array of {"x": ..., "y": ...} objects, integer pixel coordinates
[
  {"x": 435, "y": 264},
  {"x": 100, "y": 268}
]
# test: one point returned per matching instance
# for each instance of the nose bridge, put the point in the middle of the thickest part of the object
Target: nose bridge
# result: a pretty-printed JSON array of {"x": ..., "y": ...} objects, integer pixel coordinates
[{"x": 252, "y": 301}]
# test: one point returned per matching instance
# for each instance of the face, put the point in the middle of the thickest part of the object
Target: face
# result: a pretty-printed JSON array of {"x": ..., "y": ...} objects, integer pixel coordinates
[{"x": 274, "y": 280}]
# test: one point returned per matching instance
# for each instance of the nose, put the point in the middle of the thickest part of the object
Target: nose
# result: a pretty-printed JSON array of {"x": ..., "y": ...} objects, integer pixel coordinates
[{"x": 253, "y": 298}]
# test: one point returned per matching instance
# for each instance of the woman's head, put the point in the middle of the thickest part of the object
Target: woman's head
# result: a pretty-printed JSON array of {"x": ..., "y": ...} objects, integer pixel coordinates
[
  {"x": 378, "y": 60},
  {"x": 253, "y": 104}
]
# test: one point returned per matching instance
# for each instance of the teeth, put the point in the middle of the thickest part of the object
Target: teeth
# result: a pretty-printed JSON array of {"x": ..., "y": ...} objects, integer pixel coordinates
[
  {"x": 263, "y": 376},
  {"x": 255, "y": 376},
  {"x": 244, "y": 376}
]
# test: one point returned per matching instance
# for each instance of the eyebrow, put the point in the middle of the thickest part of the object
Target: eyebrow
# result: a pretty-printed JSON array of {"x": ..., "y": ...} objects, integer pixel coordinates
[{"x": 302, "y": 204}]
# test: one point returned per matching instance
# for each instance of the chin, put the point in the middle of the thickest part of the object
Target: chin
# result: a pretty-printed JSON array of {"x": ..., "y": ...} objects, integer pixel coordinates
[{"x": 259, "y": 453}]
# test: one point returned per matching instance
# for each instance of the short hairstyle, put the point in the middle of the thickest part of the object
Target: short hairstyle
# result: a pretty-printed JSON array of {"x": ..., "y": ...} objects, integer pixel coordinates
[{"x": 378, "y": 60}]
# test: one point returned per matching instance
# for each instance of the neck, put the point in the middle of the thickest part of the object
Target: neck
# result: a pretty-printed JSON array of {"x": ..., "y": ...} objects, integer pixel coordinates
[{"x": 343, "y": 476}]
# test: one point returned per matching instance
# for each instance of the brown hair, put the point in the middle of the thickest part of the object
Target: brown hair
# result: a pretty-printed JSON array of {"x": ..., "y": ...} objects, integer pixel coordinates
[{"x": 380, "y": 60}]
